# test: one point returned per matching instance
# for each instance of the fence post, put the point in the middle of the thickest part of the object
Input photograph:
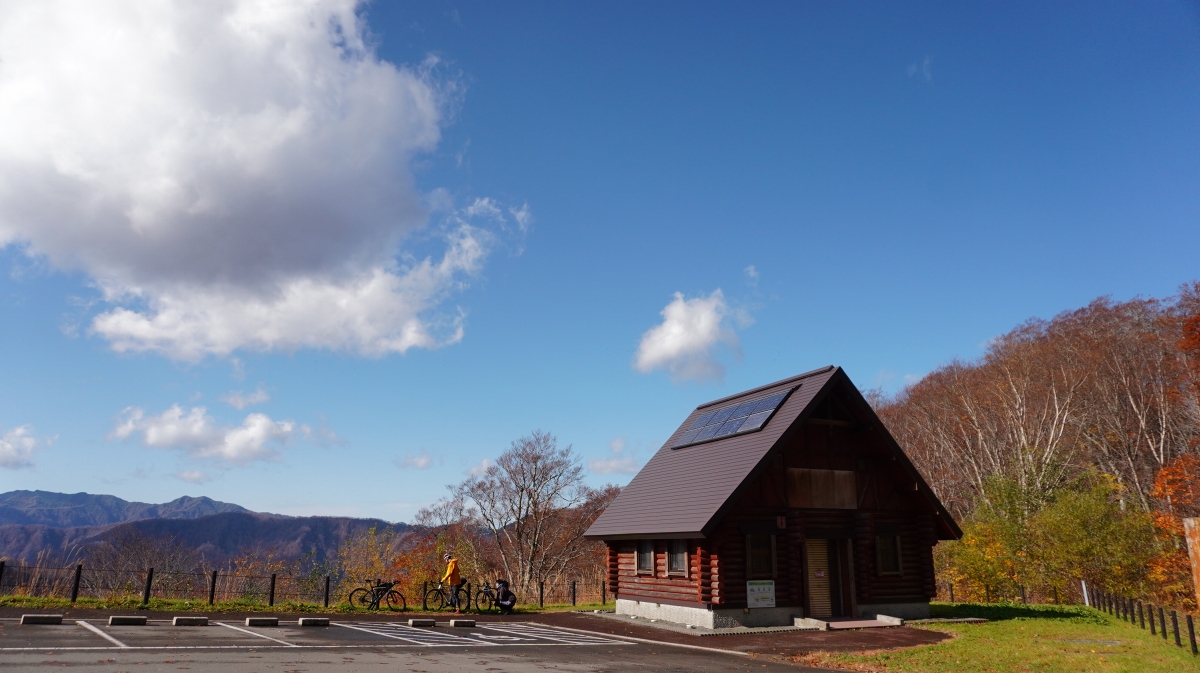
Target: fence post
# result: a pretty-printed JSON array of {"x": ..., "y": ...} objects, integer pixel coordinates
[
  {"x": 468, "y": 608},
  {"x": 603, "y": 592},
  {"x": 75, "y": 584},
  {"x": 212, "y": 588},
  {"x": 1162, "y": 622},
  {"x": 1192, "y": 634},
  {"x": 424, "y": 601},
  {"x": 1141, "y": 616},
  {"x": 271, "y": 592},
  {"x": 572, "y": 592},
  {"x": 1175, "y": 627},
  {"x": 1, "y": 578},
  {"x": 146, "y": 592},
  {"x": 541, "y": 594},
  {"x": 1150, "y": 614},
  {"x": 327, "y": 591},
  {"x": 951, "y": 592}
]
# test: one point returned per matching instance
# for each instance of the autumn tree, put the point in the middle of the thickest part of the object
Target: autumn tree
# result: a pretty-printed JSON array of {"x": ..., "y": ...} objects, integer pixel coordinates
[
  {"x": 534, "y": 507},
  {"x": 368, "y": 555}
]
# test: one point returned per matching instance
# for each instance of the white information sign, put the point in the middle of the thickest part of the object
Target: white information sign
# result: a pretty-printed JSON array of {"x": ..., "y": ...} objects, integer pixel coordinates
[{"x": 760, "y": 594}]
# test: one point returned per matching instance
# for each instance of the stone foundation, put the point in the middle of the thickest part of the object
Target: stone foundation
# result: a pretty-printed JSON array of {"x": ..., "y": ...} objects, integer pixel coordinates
[
  {"x": 706, "y": 618},
  {"x": 901, "y": 610}
]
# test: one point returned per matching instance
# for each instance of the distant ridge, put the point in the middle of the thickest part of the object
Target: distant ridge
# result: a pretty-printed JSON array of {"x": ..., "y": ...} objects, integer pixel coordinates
[
  {"x": 72, "y": 510},
  {"x": 63, "y": 525}
]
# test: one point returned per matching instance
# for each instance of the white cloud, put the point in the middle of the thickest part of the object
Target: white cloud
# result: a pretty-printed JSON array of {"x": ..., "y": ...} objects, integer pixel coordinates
[
  {"x": 480, "y": 468},
  {"x": 618, "y": 463},
  {"x": 924, "y": 68},
  {"x": 231, "y": 174},
  {"x": 688, "y": 339},
  {"x": 373, "y": 314},
  {"x": 193, "y": 477},
  {"x": 420, "y": 461},
  {"x": 199, "y": 435},
  {"x": 239, "y": 400},
  {"x": 16, "y": 448},
  {"x": 751, "y": 273},
  {"x": 523, "y": 216}
]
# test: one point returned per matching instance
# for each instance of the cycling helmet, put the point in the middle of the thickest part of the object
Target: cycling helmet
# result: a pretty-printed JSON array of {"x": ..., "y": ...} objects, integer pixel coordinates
[{"x": 446, "y": 556}]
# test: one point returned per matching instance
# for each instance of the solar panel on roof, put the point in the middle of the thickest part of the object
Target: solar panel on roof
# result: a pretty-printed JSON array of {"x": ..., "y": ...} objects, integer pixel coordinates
[
  {"x": 729, "y": 427},
  {"x": 745, "y": 409},
  {"x": 737, "y": 418},
  {"x": 755, "y": 421},
  {"x": 701, "y": 421},
  {"x": 721, "y": 415}
]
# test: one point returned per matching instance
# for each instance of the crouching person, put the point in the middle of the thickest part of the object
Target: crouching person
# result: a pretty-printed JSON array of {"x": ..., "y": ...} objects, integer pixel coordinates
[{"x": 506, "y": 600}]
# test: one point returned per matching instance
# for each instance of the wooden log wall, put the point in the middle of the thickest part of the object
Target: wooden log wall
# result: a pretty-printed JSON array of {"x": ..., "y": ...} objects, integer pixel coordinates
[
  {"x": 864, "y": 556},
  {"x": 911, "y": 583},
  {"x": 614, "y": 577},
  {"x": 658, "y": 585}
]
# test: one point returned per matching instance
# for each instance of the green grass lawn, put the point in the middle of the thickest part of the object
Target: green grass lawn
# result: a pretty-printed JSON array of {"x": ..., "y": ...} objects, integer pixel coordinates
[{"x": 1030, "y": 638}]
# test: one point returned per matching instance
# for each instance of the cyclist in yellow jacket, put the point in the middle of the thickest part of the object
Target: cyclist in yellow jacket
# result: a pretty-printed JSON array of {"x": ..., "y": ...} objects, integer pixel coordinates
[{"x": 452, "y": 578}]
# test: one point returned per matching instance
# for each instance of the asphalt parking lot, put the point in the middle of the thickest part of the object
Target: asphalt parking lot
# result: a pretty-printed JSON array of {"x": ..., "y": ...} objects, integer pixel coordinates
[{"x": 228, "y": 645}]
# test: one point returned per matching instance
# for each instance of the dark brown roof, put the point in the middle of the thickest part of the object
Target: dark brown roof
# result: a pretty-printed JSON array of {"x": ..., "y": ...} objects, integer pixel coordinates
[{"x": 682, "y": 492}]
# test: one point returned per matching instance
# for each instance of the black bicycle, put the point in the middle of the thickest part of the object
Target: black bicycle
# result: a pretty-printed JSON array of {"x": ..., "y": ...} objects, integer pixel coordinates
[
  {"x": 381, "y": 593},
  {"x": 438, "y": 597},
  {"x": 487, "y": 599}
]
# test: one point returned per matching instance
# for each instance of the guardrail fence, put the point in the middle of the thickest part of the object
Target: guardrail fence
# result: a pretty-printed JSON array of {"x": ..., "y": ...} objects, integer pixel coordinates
[{"x": 216, "y": 586}]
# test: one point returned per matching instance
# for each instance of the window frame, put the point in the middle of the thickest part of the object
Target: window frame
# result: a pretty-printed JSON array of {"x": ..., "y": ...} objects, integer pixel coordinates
[
  {"x": 899, "y": 571},
  {"x": 750, "y": 574},
  {"x": 637, "y": 557},
  {"x": 671, "y": 556}
]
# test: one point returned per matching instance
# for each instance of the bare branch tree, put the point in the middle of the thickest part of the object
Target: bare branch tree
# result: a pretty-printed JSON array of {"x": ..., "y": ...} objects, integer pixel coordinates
[{"x": 521, "y": 499}]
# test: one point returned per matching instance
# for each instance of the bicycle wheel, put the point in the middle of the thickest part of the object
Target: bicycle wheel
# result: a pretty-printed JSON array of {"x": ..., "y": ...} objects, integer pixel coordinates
[
  {"x": 484, "y": 602},
  {"x": 395, "y": 600},
  {"x": 435, "y": 599},
  {"x": 360, "y": 598}
]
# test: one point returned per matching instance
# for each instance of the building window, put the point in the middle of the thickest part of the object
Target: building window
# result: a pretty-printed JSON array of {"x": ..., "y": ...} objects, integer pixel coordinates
[
  {"x": 677, "y": 557},
  {"x": 760, "y": 556},
  {"x": 887, "y": 551},
  {"x": 645, "y": 556}
]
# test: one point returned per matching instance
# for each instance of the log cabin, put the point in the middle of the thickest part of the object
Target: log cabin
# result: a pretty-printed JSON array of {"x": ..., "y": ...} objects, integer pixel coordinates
[{"x": 784, "y": 502}]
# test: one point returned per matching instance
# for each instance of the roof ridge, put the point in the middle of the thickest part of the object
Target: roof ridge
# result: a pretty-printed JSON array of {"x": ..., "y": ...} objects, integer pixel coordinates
[{"x": 759, "y": 389}]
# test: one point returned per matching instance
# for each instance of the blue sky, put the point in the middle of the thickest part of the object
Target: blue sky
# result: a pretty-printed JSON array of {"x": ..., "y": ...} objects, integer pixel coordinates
[{"x": 333, "y": 258}]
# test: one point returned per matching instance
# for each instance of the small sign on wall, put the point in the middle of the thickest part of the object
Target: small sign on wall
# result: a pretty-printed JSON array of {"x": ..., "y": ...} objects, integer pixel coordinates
[{"x": 760, "y": 594}]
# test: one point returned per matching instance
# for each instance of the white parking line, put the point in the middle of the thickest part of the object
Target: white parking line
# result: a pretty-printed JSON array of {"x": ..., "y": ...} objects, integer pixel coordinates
[
  {"x": 534, "y": 632},
  {"x": 100, "y": 633},
  {"x": 376, "y": 633},
  {"x": 238, "y": 628}
]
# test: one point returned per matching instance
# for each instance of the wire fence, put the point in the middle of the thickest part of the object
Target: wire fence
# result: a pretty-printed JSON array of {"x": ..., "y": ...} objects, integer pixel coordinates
[
  {"x": 82, "y": 581},
  {"x": 1161, "y": 620}
]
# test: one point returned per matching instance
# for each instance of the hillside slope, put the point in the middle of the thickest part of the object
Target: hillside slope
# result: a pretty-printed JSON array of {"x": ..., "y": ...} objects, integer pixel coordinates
[
  {"x": 60, "y": 527},
  {"x": 73, "y": 510}
]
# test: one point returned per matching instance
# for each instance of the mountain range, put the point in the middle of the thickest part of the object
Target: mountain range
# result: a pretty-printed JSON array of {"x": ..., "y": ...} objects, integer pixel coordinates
[{"x": 42, "y": 524}]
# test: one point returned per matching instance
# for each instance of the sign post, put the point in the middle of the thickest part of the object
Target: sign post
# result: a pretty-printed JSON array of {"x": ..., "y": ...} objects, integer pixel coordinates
[
  {"x": 760, "y": 594},
  {"x": 1191, "y": 530}
]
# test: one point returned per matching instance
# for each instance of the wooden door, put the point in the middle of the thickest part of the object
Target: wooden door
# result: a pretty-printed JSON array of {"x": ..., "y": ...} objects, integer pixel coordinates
[{"x": 820, "y": 603}]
